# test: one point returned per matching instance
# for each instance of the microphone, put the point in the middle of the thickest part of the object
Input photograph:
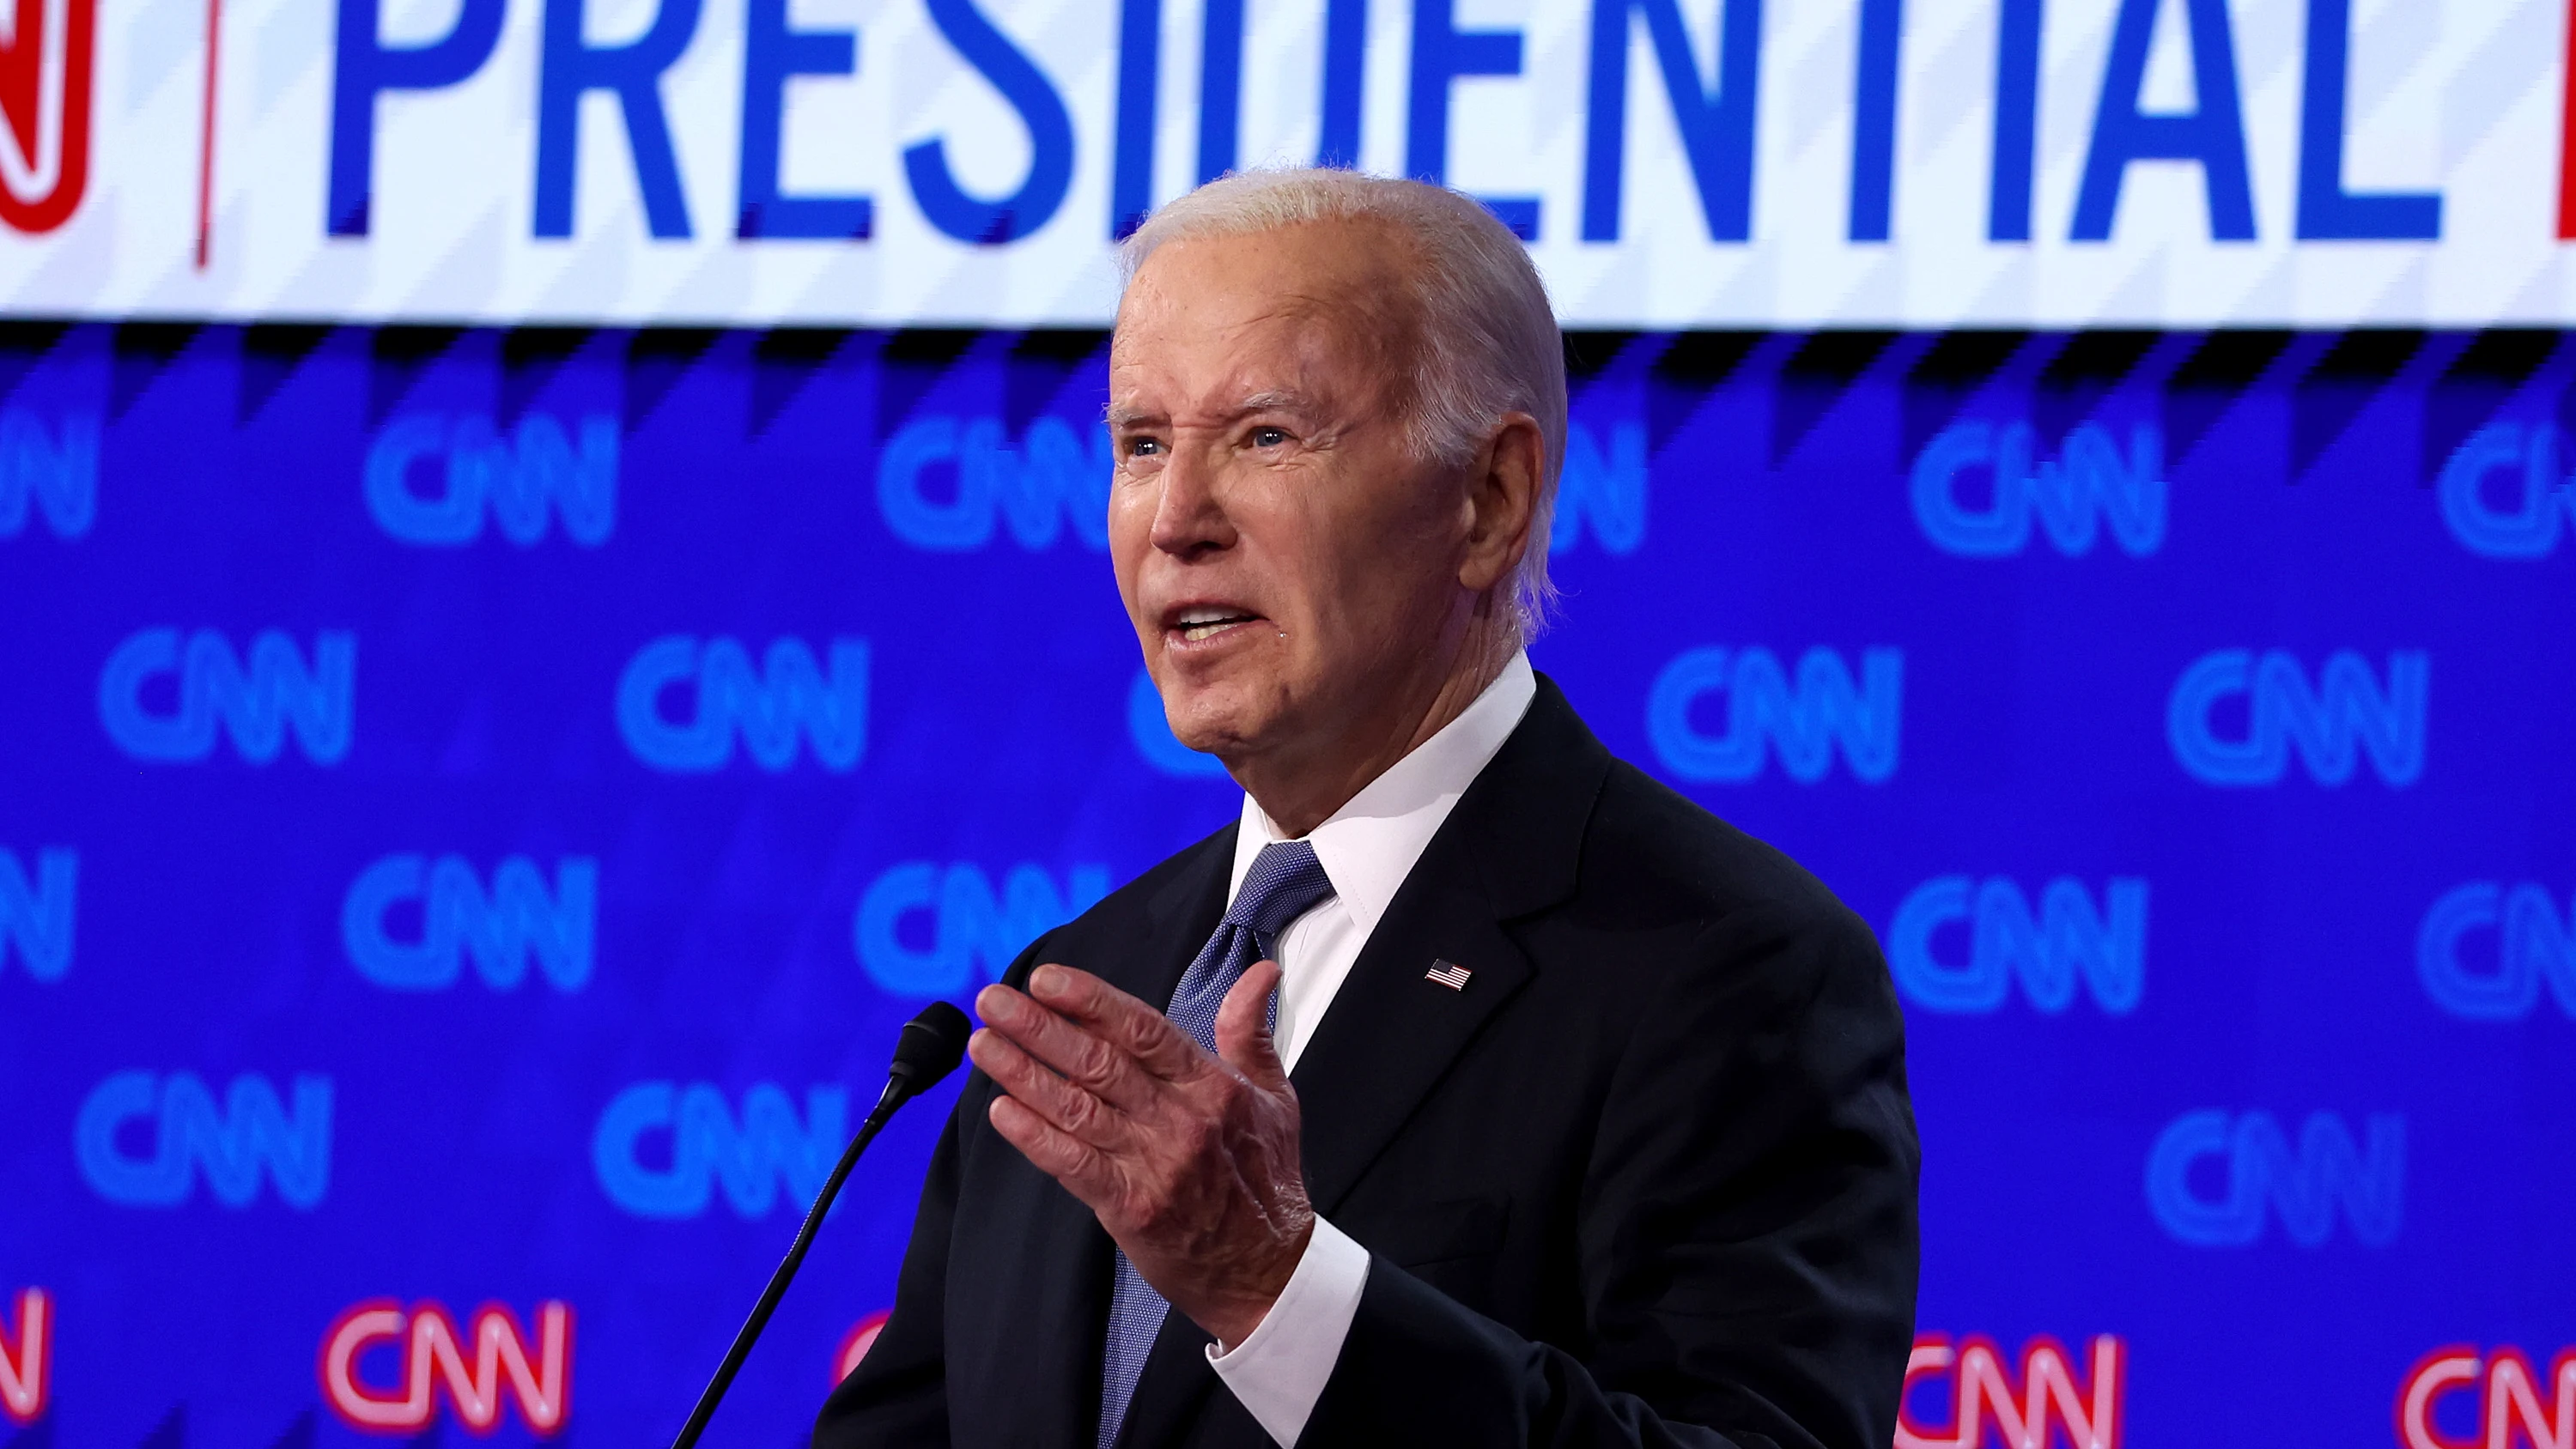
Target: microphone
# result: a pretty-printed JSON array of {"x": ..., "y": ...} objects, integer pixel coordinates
[{"x": 930, "y": 1047}]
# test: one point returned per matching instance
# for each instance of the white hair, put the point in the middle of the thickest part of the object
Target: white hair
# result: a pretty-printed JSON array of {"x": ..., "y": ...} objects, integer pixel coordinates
[{"x": 1488, "y": 339}]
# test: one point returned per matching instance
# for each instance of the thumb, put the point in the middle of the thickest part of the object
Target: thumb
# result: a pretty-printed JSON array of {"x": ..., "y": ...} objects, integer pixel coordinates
[{"x": 1243, "y": 1026}]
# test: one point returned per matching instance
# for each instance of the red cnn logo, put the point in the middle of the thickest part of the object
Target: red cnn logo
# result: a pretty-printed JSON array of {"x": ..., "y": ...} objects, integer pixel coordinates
[
  {"x": 1983, "y": 1390},
  {"x": 23, "y": 1363},
  {"x": 2513, "y": 1405},
  {"x": 427, "y": 1345},
  {"x": 44, "y": 110}
]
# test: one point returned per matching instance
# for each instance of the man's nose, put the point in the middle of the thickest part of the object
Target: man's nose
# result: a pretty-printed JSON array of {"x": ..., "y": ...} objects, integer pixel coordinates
[{"x": 1189, "y": 514}]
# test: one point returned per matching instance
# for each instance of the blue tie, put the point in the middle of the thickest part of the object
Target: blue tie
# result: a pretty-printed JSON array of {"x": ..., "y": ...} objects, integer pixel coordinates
[{"x": 1285, "y": 882}]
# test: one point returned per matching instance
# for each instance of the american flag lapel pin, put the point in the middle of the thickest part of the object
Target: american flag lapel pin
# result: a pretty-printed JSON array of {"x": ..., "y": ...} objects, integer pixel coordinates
[{"x": 1448, "y": 973}]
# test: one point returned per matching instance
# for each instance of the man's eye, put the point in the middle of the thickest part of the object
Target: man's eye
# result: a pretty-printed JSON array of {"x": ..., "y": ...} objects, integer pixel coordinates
[
  {"x": 1144, "y": 447},
  {"x": 1269, "y": 437}
]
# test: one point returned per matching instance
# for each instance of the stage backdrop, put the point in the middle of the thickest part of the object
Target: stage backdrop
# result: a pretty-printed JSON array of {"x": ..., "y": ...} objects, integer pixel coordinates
[
  {"x": 480, "y": 803},
  {"x": 477, "y": 798}
]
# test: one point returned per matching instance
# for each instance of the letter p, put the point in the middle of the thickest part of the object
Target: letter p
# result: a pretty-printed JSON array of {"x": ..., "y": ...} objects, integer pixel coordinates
[{"x": 363, "y": 65}]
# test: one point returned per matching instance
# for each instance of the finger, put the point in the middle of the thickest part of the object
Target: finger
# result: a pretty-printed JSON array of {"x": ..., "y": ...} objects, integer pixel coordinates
[
  {"x": 1082, "y": 1170},
  {"x": 1065, "y": 1106},
  {"x": 1243, "y": 1027},
  {"x": 1079, "y": 1053},
  {"x": 1138, "y": 1030}
]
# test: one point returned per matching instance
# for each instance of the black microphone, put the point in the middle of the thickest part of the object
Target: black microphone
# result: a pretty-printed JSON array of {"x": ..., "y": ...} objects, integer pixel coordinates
[{"x": 931, "y": 1046}]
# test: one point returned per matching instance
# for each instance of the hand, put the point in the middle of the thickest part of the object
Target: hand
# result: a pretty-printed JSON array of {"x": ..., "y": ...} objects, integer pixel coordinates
[{"x": 1189, "y": 1160}]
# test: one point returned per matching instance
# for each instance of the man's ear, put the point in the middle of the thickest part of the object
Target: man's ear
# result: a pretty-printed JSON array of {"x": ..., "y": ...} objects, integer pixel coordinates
[{"x": 1502, "y": 502}]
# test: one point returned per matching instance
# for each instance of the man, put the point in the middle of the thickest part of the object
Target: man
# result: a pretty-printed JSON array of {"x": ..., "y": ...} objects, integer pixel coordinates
[{"x": 1473, "y": 1089}]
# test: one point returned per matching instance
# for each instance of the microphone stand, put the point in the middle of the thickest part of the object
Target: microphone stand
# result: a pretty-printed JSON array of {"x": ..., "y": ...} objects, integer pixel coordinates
[{"x": 915, "y": 1070}]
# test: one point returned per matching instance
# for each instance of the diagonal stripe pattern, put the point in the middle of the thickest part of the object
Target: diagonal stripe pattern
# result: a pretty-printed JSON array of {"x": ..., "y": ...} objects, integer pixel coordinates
[{"x": 1285, "y": 882}]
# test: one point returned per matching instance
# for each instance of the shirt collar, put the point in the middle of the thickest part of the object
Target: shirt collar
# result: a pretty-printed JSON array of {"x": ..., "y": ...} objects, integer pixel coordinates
[{"x": 1369, "y": 845}]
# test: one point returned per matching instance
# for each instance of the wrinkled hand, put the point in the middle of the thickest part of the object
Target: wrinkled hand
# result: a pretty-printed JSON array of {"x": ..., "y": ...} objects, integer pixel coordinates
[{"x": 1189, "y": 1160}]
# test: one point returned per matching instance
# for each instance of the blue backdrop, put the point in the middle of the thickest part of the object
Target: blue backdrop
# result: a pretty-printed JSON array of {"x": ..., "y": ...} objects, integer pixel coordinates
[{"x": 476, "y": 805}]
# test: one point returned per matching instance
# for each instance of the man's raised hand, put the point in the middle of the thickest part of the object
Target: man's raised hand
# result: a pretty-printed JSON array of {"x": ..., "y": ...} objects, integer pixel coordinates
[{"x": 1189, "y": 1160}]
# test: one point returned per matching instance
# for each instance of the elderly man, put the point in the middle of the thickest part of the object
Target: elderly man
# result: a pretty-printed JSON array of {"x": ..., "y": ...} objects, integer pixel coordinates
[{"x": 1472, "y": 1088}]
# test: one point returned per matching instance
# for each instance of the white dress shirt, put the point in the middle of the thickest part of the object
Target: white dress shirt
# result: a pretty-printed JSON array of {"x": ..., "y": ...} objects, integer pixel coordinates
[{"x": 1367, "y": 849}]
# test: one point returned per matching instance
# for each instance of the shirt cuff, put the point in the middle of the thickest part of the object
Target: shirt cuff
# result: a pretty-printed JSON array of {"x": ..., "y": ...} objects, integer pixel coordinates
[{"x": 1279, "y": 1372}]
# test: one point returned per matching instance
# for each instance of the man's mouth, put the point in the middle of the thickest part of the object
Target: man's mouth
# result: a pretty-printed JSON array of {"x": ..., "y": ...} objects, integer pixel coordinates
[{"x": 1206, "y": 621}]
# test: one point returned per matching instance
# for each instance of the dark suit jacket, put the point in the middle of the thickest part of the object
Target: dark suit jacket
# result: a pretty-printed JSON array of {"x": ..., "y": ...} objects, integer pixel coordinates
[{"x": 1648, "y": 1179}]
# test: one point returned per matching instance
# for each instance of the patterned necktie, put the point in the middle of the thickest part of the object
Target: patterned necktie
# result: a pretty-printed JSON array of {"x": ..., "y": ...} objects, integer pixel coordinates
[{"x": 1285, "y": 882}]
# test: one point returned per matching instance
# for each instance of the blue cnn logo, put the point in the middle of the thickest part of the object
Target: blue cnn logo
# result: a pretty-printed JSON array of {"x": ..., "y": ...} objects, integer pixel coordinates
[
  {"x": 2344, "y": 715},
  {"x": 55, "y": 471},
  {"x": 944, "y": 482},
  {"x": 2252, "y": 1167},
  {"x": 2088, "y": 484},
  {"x": 697, "y": 1132},
  {"x": 519, "y": 917},
  {"x": 37, "y": 913},
  {"x": 258, "y": 703},
  {"x": 1765, "y": 715},
  {"x": 2521, "y": 931},
  {"x": 770, "y": 708},
  {"x": 2542, "y": 500},
  {"x": 1602, "y": 490},
  {"x": 251, "y": 1136},
  {"x": 964, "y": 932},
  {"x": 2069, "y": 939},
  {"x": 1150, "y": 731},
  {"x": 517, "y": 480}
]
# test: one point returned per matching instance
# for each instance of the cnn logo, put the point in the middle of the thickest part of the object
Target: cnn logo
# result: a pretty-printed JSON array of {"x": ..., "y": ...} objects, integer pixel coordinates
[
  {"x": 2499, "y": 1398},
  {"x": 1985, "y": 1393},
  {"x": 383, "y": 1367},
  {"x": 26, "y": 1359}
]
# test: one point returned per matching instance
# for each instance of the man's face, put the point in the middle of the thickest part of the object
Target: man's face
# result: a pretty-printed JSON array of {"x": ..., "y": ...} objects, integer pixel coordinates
[{"x": 1290, "y": 567}]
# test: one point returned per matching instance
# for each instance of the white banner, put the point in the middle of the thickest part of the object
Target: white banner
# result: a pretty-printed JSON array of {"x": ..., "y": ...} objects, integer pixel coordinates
[{"x": 1672, "y": 163}]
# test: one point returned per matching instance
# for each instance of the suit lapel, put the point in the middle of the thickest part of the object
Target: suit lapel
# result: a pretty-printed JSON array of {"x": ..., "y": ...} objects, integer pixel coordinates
[
  {"x": 1508, "y": 849},
  {"x": 1043, "y": 1350},
  {"x": 1391, "y": 1031},
  {"x": 1179, "y": 918},
  {"x": 1065, "y": 1353}
]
